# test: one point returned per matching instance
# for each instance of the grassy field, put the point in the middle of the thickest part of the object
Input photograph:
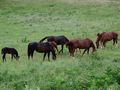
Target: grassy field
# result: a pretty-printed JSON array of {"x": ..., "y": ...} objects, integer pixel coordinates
[{"x": 24, "y": 21}]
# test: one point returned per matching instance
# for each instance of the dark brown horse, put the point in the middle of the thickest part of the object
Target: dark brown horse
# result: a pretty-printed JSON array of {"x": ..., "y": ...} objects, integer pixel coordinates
[
  {"x": 45, "y": 48},
  {"x": 80, "y": 44},
  {"x": 60, "y": 40},
  {"x": 12, "y": 51},
  {"x": 104, "y": 37}
]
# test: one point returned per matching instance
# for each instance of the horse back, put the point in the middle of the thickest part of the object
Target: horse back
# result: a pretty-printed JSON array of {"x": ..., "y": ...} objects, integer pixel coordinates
[
  {"x": 109, "y": 36},
  {"x": 58, "y": 39},
  {"x": 9, "y": 50},
  {"x": 115, "y": 34}
]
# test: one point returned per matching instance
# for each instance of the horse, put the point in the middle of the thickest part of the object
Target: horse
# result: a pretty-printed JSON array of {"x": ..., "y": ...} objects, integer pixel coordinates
[
  {"x": 45, "y": 48},
  {"x": 8, "y": 50},
  {"x": 104, "y": 37},
  {"x": 60, "y": 40},
  {"x": 86, "y": 44}
]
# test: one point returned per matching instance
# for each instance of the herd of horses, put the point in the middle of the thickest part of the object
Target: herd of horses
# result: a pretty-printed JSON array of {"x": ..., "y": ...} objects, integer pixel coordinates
[{"x": 52, "y": 41}]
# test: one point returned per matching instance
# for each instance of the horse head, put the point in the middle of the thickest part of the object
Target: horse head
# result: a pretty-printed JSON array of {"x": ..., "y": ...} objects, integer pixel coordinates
[
  {"x": 69, "y": 44},
  {"x": 54, "y": 45},
  {"x": 17, "y": 57}
]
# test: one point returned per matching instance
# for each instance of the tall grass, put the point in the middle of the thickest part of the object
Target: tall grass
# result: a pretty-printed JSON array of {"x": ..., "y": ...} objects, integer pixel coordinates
[{"x": 24, "y": 21}]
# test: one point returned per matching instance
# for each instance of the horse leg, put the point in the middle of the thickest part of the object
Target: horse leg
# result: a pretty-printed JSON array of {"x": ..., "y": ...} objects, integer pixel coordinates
[
  {"x": 48, "y": 56},
  {"x": 84, "y": 52},
  {"x": 72, "y": 52},
  {"x": 53, "y": 54},
  {"x": 76, "y": 50},
  {"x": 44, "y": 56},
  {"x": 101, "y": 44},
  {"x": 79, "y": 50},
  {"x": 32, "y": 54},
  {"x": 61, "y": 48},
  {"x": 114, "y": 41},
  {"x": 12, "y": 57},
  {"x": 88, "y": 50},
  {"x": 4, "y": 57},
  {"x": 104, "y": 44}
]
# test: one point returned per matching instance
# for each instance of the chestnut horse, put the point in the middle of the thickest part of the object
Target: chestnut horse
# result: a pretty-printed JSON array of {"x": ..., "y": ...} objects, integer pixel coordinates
[
  {"x": 103, "y": 38},
  {"x": 80, "y": 44},
  {"x": 45, "y": 48},
  {"x": 60, "y": 40}
]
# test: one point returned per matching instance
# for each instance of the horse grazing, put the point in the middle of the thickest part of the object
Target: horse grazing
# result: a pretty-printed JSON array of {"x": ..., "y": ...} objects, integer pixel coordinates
[
  {"x": 60, "y": 40},
  {"x": 12, "y": 51},
  {"x": 45, "y": 48},
  {"x": 105, "y": 37},
  {"x": 80, "y": 44}
]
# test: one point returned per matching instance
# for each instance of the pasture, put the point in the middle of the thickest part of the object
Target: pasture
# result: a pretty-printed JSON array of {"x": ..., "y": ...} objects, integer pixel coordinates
[{"x": 24, "y": 21}]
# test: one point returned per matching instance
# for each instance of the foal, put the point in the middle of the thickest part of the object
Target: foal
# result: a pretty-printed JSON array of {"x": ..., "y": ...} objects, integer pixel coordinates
[
  {"x": 12, "y": 51},
  {"x": 80, "y": 44},
  {"x": 104, "y": 37}
]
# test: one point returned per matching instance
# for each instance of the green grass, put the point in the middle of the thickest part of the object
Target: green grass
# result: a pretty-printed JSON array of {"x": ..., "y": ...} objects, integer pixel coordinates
[{"x": 24, "y": 21}]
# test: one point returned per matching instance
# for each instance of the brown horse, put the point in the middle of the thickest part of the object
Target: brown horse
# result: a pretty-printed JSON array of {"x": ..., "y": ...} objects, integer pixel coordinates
[
  {"x": 45, "y": 48},
  {"x": 60, "y": 40},
  {"x": 80, "y": 44},
  {"x": 105, "y": 37}
]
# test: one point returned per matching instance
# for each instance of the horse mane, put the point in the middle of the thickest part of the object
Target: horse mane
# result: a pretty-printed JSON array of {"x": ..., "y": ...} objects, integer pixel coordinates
[
  {"x": 44, "y": 38},
  {"x": 65, "y": 38}
]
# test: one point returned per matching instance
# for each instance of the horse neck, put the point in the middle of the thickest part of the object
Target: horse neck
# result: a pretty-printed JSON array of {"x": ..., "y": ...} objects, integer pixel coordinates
[
  {"x": 98, "y": 40},
  {"x": 67, "y": 40},
  {"x": 16, "y": 53}
]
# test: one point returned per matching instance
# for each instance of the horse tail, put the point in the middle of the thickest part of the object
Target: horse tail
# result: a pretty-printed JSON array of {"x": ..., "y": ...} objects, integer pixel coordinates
[
  {"x": 44, "y": 39},
  {"x": 29, "y": 51},
  {"x": 2, "y": 51},
  {"x": 31, "y": 48}
]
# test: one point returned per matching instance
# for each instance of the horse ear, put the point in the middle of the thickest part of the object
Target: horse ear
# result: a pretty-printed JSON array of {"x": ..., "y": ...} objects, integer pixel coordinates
[{"x": 98, "y": 34}]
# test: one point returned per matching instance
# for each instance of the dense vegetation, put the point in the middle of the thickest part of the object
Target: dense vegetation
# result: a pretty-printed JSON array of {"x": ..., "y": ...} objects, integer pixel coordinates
[{"x": 24, "y": 21}]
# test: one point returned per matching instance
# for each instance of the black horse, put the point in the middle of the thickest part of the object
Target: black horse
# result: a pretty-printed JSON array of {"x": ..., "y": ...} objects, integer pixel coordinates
[
  {"x": 45, "y": 48},
  {"x": 12, "y": 51},
  {"x": 60, "y": 40}
]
